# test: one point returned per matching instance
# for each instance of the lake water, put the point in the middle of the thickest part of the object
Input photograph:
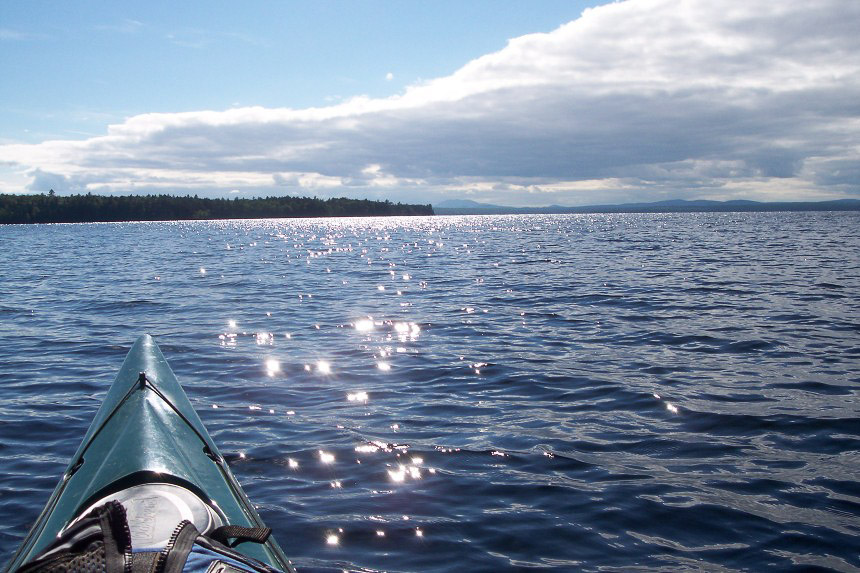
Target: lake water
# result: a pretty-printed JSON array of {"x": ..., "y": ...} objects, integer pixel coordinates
[{"x": 585, "y": 392}]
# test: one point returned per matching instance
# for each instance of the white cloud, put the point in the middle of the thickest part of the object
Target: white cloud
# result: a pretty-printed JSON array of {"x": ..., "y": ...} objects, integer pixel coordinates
[
  {"x": 389, "y": 76},
  {"x": 637, "y": 100}
]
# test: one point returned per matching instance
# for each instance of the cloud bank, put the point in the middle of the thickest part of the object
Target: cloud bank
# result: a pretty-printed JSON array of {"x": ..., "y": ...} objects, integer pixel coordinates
[{"x": 633, "y": 101}]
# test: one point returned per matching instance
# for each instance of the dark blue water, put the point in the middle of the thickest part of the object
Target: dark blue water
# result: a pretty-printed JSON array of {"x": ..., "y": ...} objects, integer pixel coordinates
[{"x": 594, "y": 392}]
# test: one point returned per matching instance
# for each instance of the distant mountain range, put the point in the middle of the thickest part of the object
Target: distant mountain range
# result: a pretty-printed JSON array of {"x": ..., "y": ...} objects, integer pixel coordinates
[{"x": 467, "y": 207}]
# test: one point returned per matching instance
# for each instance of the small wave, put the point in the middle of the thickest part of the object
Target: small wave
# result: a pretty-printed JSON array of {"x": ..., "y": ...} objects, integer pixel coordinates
[{"x": 818, "y": 388}]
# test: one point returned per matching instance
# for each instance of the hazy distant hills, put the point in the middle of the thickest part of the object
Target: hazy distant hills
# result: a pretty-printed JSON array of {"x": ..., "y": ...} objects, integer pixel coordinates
[{"x": 467, "y": 207}]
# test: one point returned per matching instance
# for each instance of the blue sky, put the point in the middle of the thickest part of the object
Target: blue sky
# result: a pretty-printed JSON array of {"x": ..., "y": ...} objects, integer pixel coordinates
[
  {"x": 75, "y": 66},
  {"x": 521, "y": 103}
]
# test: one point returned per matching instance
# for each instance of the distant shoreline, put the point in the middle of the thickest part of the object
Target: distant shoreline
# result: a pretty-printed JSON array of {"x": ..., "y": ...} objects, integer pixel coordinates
[
  {"x": 51, "y": 208},
  {"x": 673, "y": 206},
  {"x": 89, "y": 208}
]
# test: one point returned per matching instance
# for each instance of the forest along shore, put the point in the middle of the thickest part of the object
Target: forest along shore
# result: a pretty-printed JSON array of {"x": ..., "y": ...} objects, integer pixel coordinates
[{"x": 89, "y": 208}]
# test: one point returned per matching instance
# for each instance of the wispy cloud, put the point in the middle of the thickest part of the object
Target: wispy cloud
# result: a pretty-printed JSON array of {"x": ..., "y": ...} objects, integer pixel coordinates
[
  {"x": 12, "y": 35},
  {"x": 197, "y": 38},
  {"x": 634, "y": 100}
]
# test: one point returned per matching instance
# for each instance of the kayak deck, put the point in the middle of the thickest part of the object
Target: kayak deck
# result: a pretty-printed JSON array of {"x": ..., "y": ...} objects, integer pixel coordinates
[{"x": 146, "y": 432}]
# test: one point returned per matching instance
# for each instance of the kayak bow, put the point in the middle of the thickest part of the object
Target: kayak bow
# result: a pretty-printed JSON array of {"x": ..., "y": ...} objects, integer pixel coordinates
[{"x": 148, "y": 449}]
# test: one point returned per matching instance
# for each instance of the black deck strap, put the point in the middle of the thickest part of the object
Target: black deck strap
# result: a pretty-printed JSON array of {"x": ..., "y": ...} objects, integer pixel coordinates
[
  {"x": 226, "y": 532},
  {"x": 117, "y": 538},
  {"x": 174, "y": 556}
]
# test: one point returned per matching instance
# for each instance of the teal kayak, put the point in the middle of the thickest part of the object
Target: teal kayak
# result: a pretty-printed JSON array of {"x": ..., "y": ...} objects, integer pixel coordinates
[{"x": 148, "y": 449}]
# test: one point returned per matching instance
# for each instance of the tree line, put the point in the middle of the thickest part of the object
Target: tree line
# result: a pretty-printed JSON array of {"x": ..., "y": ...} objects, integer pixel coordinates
[{"x": 89, "y": 208}]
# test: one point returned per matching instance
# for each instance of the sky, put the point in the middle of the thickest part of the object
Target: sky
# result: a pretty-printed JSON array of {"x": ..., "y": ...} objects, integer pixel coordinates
[{"x": 525, "y": 103}]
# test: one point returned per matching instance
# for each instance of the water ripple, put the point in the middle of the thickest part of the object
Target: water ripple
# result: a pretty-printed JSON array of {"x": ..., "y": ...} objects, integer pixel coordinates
[{"x": 588, "y": 392}]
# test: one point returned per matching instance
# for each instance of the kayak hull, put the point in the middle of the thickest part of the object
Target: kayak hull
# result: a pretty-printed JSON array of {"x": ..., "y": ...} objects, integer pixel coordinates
[{"x": 146, "y": 432}]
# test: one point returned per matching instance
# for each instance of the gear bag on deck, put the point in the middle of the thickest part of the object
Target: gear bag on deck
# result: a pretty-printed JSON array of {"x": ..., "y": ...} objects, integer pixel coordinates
[{"x": 100, "y": 542}]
